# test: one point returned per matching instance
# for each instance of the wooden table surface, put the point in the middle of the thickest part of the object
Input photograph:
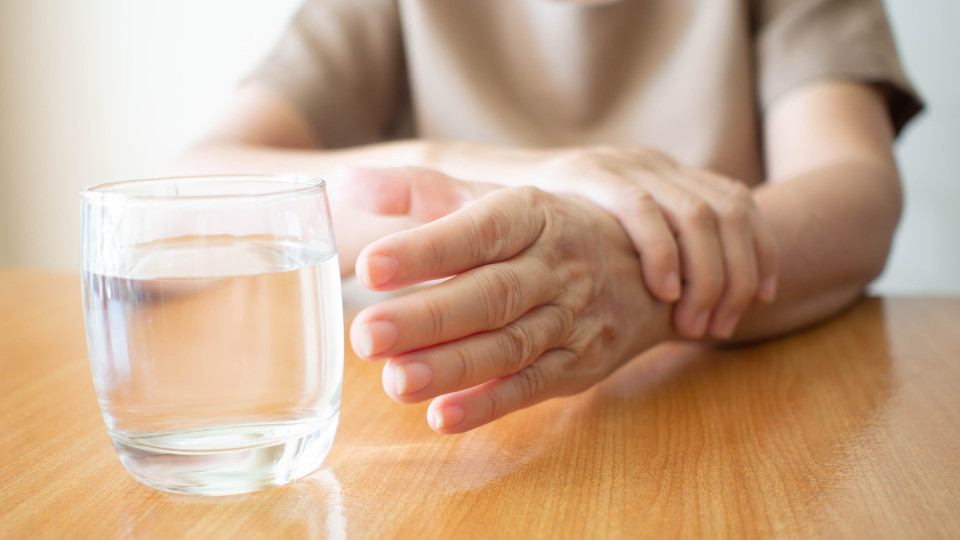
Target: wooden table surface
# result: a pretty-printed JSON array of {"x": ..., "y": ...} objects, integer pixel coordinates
[{"x": 850, "y": 429}]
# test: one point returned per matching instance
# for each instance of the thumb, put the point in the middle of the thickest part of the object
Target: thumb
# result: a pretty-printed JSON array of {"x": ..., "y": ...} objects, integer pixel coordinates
[{"x": 420, "y": 193}]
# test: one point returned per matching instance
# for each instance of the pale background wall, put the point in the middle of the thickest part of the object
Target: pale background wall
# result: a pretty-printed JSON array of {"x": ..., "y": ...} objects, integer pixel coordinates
[
  {"x": 926, "y": 254},
  {"x": 101, "y": 90},
  {"x": 105, "y": 90}
]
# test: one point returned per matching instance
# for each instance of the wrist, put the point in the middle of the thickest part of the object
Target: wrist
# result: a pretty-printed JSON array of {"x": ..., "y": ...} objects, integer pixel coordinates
[{"x": 634, "y": 319}]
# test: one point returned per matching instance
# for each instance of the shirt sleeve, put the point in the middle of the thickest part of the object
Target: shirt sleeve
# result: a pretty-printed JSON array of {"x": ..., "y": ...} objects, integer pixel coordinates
[
  {"x": 340, "y": 62},
  {"x": 798, "y": 41}
]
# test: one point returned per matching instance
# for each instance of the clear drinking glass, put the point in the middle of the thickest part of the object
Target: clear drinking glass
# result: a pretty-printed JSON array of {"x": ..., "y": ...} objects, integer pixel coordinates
[{"x": 215, "y": 328}]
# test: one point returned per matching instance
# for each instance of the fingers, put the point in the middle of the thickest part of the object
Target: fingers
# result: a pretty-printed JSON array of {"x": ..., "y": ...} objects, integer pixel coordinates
[
  {"x": 493, "y": 229},
  {"x": 768, "y": 258},
  {"x": 476, "y": 359},
  {"x": 479, "y": 300},
  {"x": 727, "y": 254},
  {"x": 736, "y": 235},
  {"x": 465, "y": 410},
  {"x": 645, "y": 224},
  {"x": 637, "y": 211},
  {"x": 653, "y": 208},
  {"x": 701, "y": 257},
  {"x": 748, "y": 250}
]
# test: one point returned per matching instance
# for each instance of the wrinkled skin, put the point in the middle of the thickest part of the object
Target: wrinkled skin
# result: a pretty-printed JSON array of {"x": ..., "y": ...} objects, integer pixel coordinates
[
  {"x": 686, "y": 223},
  {"x": 546, "y": 298}
]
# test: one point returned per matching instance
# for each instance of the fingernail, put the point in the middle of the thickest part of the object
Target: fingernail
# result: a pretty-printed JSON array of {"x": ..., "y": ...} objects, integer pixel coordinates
[
  {"x": 700, "y": 323},
  {"x": 374, "y": 337},
  {"x": 726, "y": 328},
  {"x": 448, "y": 417},
  {"x": 375, "y": 270},
  {"x": 412, "y": 377},
  {"x": 673, "y": 286},
  {"x": 768, "y": 289}
]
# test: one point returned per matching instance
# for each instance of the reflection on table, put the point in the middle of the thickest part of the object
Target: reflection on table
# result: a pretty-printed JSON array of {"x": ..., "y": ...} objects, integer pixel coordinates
[{"x": 847, "y": 429}]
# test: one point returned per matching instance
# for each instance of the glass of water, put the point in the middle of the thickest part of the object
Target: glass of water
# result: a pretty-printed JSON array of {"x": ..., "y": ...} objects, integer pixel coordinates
[{"x": 215, "y": 328}]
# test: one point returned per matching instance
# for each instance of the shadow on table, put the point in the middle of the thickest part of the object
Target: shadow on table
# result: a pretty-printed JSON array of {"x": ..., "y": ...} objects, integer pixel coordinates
[
  {"x": 768, "y": 434},
  {"x": 755, "y": 438}
]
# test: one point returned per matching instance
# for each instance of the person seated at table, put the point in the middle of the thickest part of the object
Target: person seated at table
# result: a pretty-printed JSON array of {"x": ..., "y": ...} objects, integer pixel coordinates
[{"x": 598, "y": 176}]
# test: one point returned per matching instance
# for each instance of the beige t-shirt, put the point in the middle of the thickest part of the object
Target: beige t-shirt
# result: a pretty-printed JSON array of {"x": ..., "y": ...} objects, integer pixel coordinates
[{"x": 689, "y": 77}]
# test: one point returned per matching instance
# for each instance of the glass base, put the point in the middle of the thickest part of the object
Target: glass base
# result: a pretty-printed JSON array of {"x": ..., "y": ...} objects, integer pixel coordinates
[{"x": 193, "y": 461}]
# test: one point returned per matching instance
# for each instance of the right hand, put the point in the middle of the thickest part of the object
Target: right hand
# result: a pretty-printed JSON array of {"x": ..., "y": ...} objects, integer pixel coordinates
[
  {"x": 543, "y": 298},
  {"x": 702, "y": 240}
]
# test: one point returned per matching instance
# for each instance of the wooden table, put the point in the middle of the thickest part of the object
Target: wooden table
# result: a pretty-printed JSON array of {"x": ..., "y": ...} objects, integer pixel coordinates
[{"x": 850, "y": 429}]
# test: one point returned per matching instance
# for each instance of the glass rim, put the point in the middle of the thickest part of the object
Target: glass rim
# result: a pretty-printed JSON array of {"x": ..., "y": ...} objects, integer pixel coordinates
[{"x": 301, "y": 185}]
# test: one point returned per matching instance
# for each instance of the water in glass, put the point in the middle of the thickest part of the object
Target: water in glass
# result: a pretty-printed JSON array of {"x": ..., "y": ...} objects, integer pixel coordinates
[{"x": 218, "y": 360}]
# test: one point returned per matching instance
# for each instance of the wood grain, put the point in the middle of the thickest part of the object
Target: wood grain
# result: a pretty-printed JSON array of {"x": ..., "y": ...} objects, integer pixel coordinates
[{"x": 848, "y": 430}]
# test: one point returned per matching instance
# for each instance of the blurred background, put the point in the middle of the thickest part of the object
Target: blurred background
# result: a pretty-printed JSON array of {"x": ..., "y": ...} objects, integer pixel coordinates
[{"x": 106, "y": 90}]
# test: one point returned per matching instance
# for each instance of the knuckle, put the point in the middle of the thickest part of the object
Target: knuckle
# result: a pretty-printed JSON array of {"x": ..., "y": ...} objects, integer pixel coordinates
[
  {"x": 436, "y": 318},
  {"x": 465, "y": 375},
  {"x": 518, "y": 346},
  {"x": 530, "y": 383},
  {"x": 737, "y": 206},
  {"x": 473, "y": 235},
  {"x": 530, "y": 194},
  {"x": 490, "y": 227},
  {"x": 435, "y": 252},
  {"x": 561, "y": 323},
  {"x": 637, "y": 201},
  {"x": 734, "y": 214},
  {"x": 488, "y": 232},
  {"x": 697, "y": 213},
  {"x": 568, "y": 319},
  {"x": 501, "y": 295},
  {"x": 495, "y": 400},
  {"x": 741, "y": 193}
]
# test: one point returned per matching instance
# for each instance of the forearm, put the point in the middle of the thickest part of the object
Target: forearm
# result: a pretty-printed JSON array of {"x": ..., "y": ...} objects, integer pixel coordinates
[{"x": 834, "y": 227}]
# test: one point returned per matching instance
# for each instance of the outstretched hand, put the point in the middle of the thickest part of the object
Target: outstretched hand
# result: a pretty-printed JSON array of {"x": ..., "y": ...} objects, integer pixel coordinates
[{"x": 545, "y": 298}]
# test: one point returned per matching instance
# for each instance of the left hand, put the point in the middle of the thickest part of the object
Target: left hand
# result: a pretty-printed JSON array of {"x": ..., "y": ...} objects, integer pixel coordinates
[
  {"x": 684, "y": 222},
  {"x": 544, "y": 301}
]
